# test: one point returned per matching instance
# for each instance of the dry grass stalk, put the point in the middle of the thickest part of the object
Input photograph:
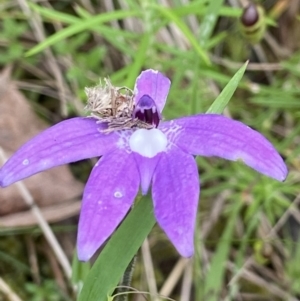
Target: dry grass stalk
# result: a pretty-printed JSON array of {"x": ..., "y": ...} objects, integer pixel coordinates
[{"x": 46, "y": 229}]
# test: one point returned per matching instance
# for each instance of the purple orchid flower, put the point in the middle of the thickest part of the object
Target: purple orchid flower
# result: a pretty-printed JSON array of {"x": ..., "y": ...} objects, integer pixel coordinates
[{"x": 133, "y": 157}]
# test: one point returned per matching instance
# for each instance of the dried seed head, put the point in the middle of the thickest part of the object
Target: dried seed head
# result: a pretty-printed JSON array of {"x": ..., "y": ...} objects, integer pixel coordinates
[
  {"x": 100, "y": 99},
  {"x": 108, "y": 104}
]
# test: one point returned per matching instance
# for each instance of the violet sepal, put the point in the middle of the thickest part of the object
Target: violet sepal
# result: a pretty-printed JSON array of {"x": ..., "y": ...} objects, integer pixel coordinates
[
  {"x": 68, "y": 141},
  {"x": 108, "y": 195},
  {"x": 175, "y": 193},
  {"x": 217, "y": 135}
]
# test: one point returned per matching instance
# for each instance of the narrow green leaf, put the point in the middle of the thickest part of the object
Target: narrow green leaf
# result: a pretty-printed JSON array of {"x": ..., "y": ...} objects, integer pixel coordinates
[
  {"x": 206, "y": 29},
  {"x": 209, "y": 21},
  {"x": 252, "y": 225},
  {"x": 185, "y": 30},
  {"x": 116, "y": 255},
  {"x": 190, "y": 8},
  {"x": 213, "y": 279},
  {"x": 139, "y": 60},
  {"x": 223, "y": 98},
  {"x": 120, "y": 75},
  {"x": 119, "y": 38},
  {"x": 82, "y": 25},
  {"x": 199, "y": 8},
  {"x": 53, "y": 14},
  {"x": 80, "y": 270}
]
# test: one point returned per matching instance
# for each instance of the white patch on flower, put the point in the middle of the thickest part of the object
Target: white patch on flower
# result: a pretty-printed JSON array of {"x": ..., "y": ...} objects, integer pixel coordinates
[
  {"x": 118, "y": 194},
  {"x": 148, "y": 143},
  {"x": 172, "y": 131},
  {"x": 25, "y": 162}
]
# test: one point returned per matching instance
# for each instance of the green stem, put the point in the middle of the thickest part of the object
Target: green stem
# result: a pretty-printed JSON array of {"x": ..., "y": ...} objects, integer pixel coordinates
[{"x": 126, "y": 281}]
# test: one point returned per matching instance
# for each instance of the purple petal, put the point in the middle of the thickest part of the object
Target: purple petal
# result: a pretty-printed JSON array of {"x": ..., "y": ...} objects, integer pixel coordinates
[
  {"x": 108, "y": 195},
  {"x": 68, "y": 141},
  {"x": 175, "y": 192},
  {"x": 216, "y": 135},
  {"x": 154, "y": 84},
  {"x": 146, "y": 168}
]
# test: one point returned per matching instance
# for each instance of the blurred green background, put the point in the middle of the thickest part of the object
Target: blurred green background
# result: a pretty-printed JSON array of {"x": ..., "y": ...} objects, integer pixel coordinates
[{"x": 247, "y": 240}]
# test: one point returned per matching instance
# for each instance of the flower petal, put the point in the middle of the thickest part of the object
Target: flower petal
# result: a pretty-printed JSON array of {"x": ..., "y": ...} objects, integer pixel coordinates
[
  {"x": 68, "y": 141},
  {"x": 146, "y": 167},
  {"x": 216, "y": 135},
  {"x": 154, "y": 84},
  {"x": 108, "y": 195},
  {"x": 175, "y": 192}
]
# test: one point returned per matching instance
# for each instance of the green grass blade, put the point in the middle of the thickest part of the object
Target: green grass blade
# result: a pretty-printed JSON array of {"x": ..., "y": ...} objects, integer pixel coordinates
[
  {"x": 116, "y": 255},
  {"x": 206, "y": 28},
  {"x": 139, "y": 60},
  {"x": 167, "y": 13},
  {"x": 223, "y": 98},
  {"x": 52, "y": 14},
  {"x": 80, "y": 270},
  {"x": 201, "y": 9},
  {"x": 209, "y": 21},
  {"x": 79, "y": 27},
  {"x": 214, "y": 278}
]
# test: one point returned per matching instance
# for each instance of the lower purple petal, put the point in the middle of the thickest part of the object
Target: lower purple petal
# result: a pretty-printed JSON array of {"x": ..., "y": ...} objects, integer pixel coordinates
[
  {"x": 68, "y": 141},
  {"x": 175, "y": 192},
  {"x": 108, "y": 195},
  {"x": 146, "y": 168},
  {"x": 216, "y": 135}
]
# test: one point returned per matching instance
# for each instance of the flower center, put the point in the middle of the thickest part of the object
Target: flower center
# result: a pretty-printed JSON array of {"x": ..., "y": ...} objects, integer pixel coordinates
[
  {"x": 146, "y": 111},
  {"x": 148, "y": 143}
]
